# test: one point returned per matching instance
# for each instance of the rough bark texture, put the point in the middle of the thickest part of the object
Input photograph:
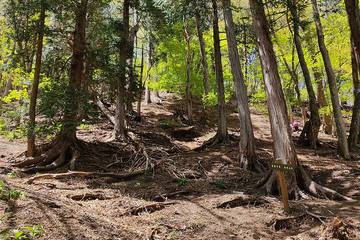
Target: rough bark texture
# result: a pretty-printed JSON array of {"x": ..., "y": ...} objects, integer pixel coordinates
[
  {"x": 340, "y": 125},
  {"x": 222, "y": 126},
  {"x": 120, "y": 115},
  {"x": 188, "y": 72},
  {"x": 314, "y": 121},
  {"x": 76, "y": 71},
  {"x": 205, "y": 68},
  {"x": 35, "y": 86},
  {"x": 284, "y": 149},
  {"x": 352, "y": 9},
  {"x": 247, "y": 139}
]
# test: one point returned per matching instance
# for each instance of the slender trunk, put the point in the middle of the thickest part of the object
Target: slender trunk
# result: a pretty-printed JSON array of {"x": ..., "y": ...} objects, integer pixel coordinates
[
  {"x": 140, "y": 82},
  {"x": 188, "y": 72},
  {"x": 340, "y": 125},
  {"x": 8, "y": 84},
  {"x": 322, "y": 100},
  {"x": 352, "y": 9},
  {"x": 35, "y": 86},
  {"x": 76, "y": 72},
  {"x": 355, "y": 120},
  {"x": 222, "y": 126},
  {"x": 205, "y": 68},
  {"x": 131, "y": 70},
  {"x": 314, "y": 120},
  {"x": 120, "y": 115},
  {"x": 247, "y": 139},
  {"x": 147, "y": 79}
]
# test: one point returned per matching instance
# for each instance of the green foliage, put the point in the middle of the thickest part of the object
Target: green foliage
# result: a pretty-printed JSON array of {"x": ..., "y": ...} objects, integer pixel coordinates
[
  {"x": 7, "y": 194},
  {"x": 181, "y": 182},
  {"x": 25, "y": 233},
  {"x": 221, "y": 184}
]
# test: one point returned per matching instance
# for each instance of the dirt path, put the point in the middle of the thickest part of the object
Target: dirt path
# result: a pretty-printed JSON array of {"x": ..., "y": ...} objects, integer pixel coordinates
[{"x": 217, "y": 199}]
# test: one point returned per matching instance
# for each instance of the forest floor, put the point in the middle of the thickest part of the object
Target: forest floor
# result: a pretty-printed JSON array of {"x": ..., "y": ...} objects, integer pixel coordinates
[{"x": 192, "y": 195}]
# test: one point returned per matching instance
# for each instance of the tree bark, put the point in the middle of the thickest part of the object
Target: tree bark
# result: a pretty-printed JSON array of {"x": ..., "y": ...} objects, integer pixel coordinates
[
  {"x": 35, "y": 86},
  {"x": 141, "y": 88},
  {"x": 188, "y": 72},
  {"x": 284, "y": 149},
  {"x": 76, "y": 72},
  {"x": 314, "y": 121},
  {"x": 322, "y": 100},
  {"x": 352, "y": 9},
  {"x": 222, "y": 125},
  {"x": 247, "y": 139},
  {"x": 205, "y": 68},
  {"x": 340, "y": 125},
  {"x": 120, "y": 115}
]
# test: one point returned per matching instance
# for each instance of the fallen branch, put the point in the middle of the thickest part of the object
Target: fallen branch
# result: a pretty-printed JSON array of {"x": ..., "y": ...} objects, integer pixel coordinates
[
  {"x": 122, "y": 177},
  {"x": 148, "y": 208},
  {"x": 165, "y": 196}
]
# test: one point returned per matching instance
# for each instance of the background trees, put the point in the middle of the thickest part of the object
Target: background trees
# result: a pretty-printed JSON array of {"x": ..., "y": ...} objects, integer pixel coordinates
[{"x": 84, "y": 56}]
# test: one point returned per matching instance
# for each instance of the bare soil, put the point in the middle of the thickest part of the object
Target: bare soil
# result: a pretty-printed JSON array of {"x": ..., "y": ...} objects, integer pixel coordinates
[{"x": 199, "y": 195}]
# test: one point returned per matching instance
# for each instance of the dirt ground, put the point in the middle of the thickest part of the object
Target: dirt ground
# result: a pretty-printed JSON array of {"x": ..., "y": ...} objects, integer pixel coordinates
[{"x": 199, "y": 195}]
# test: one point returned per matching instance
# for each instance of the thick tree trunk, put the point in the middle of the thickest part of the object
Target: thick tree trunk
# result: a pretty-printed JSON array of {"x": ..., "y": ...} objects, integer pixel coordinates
[
  {"x": 188, "y": 72},
  {"x": 314, "y": 121},
  {"x": 340, "y": 125},
  {"x": 284, "y": 149},
  {"x": 204, "y": 64},
  {"x": 222, "y": 125},
  {"x": 35, "y": 86},
  {"x": 352, "y": 9},
  {"x": 76, "y": 71},
  {"x": 247, "y": 139},
  {"x": 120, "y": 115}
]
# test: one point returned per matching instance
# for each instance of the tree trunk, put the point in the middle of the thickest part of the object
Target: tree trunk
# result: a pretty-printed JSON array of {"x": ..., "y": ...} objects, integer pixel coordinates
[
  {"x": 141, "y": 89},
  {"x": 222, "y": 126},
  {"x": 340, "y": 125},
  {"x": 247, "y": 139},
  {"x": 314, "y": 121},
  {"x": 205, "y": 68},
  {"x": 322, "y": 100},
  {"x": 355, "y": 120},
  {"x": 284, "y": 149},
  {"x": 76, "y": 71},
  {"x": 188, "y": 72},
  {"x": 120, "y": 115},
  {"x": 352, "y": 9},
  {"x": 35, "y": 86}
]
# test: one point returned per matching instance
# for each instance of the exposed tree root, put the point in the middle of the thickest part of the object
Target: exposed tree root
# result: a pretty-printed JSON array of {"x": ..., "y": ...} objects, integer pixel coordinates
[
  {"x": 163, "y": 197},
  {"x": 300, "y": 186},
  {"x": 215, "y": 141},
  {"x": 147, "y": 209},
  {"x": 119, "y": 177}
]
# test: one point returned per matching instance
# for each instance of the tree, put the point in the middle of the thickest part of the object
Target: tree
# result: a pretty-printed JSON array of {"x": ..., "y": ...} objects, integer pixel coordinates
[
  {"x": 205, "y": 68},
  {"x": 188, "y": 71},
  {"x": 284, "y": 148},
  {"x": 340, "y": 125},
  {"x": 66, "y": 143},
  {"x": 352, "y": 9},
  {"x": 222, "y": 126},
  {"x": 247, "y": 139},
  {"x": 120, "y": 114},
  {"x": 311, "y": 128},
  {"x": 35, "y": 87}
]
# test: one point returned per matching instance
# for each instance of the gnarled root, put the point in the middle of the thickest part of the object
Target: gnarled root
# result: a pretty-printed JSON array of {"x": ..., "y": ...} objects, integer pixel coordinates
[
  {"x": 300, "y": 185},
  {"x": 62, "y": 152}
]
